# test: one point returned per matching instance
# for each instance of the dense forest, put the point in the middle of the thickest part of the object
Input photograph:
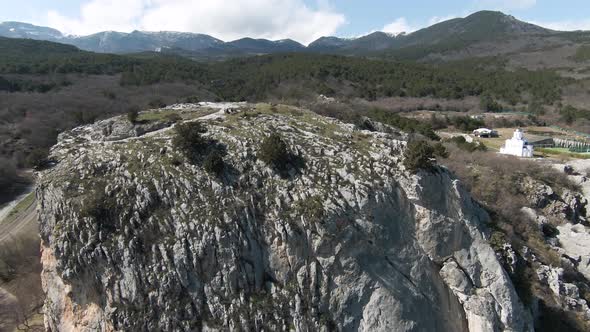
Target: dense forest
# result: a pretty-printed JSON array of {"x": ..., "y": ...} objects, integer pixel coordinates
[{"x": 370, "y": 79}]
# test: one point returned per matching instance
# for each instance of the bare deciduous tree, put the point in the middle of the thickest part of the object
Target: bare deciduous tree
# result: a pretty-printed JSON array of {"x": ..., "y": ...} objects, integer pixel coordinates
[
  {"x": 7, "y": 311},
  {"x": 21, "y": 295}
]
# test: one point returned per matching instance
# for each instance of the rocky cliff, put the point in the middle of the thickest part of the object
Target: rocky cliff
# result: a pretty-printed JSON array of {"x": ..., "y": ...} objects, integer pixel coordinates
[{"x": 136, "y": 238}]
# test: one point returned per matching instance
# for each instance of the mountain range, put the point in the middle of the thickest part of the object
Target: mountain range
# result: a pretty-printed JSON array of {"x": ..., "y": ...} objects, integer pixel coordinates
[
  {"x": 484, "y": 33},
  {"x": 142, "y": 41}
]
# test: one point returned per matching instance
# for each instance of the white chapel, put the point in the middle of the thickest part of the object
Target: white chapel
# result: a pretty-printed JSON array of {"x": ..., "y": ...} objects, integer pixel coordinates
[{"x": 518, "y": 146}]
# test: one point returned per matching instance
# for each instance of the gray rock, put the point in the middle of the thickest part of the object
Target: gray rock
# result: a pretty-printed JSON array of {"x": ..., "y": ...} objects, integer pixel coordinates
[
  {"x": 575, "y": 240},
  {"x": 566, "y": 293}
]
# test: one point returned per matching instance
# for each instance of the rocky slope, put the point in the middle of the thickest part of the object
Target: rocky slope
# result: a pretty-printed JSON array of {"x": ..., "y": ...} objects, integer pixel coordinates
[
  {"x": 561, "y": 218},
  {"x": 135, "y": 238}
]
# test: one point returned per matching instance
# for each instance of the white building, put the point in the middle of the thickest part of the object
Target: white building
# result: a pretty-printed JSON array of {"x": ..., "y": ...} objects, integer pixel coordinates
[
  {"x": 518, "y": 146},
  {"x": 485, "y": 132}
]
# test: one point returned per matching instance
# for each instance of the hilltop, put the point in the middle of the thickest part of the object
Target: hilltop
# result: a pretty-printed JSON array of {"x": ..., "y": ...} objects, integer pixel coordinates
[{"x": 345, "y": 237}]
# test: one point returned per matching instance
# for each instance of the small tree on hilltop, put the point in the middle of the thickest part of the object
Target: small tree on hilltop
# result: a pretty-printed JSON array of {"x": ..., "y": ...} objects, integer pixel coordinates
[
  {"x": 273, "y": 151},
  {"x": 189, "y": 140},
  {"x": 133, "y": 114},
  {"x": 419, "y": 155}
]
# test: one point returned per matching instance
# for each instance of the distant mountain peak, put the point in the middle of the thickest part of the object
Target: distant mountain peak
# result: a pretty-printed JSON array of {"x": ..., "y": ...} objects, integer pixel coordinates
[
  {"x": 497, "y": 20},
  {"x": 26, "y": 30}
]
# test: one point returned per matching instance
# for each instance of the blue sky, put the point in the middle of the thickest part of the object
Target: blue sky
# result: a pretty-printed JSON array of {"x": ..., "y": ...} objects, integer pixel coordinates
[{"x": 302, "y": 20}]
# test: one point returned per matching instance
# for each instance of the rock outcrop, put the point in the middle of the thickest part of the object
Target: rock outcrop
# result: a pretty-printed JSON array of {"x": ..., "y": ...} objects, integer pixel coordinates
[
  {"x": 135, "y": 238},
  {"x": 575, "y": 242},
  {"x": 550, "y": 257}
]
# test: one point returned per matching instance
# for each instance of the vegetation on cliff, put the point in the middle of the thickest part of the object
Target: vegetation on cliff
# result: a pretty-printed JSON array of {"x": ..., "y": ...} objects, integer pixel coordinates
[
  {"x": 189, "y": 139},
  {"x": 273, "y": 151}
]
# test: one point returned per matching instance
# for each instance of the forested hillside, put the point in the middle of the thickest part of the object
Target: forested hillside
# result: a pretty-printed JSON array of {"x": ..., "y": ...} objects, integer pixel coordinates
[{"x": 253, "y": 78}]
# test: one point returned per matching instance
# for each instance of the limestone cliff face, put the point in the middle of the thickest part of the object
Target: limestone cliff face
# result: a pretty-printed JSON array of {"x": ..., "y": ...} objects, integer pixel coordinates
[{"x": 135, "y": 238}]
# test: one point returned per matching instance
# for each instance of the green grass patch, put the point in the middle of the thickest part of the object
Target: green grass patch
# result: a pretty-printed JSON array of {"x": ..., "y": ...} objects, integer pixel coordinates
[{"x": 562, "y": 152}]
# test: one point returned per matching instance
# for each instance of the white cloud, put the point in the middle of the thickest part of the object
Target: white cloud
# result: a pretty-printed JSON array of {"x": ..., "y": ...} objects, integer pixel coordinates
[
  {"x": 505, "y": 4},
  {"x": 100, "y": 15},
  {"x": 570, "y": 25},
  {"x": 398, "y": 26},
  {"x": 227, "y": 20}
]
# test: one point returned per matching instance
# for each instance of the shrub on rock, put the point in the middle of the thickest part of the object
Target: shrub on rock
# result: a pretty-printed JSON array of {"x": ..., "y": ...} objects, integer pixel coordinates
[
  {"x": 102, "y": 209},
  {"x": 419, "y": 155},
  {"x": 440, "y": 150},
  {"x": 273, "y": 151},
  {"x": 189, "y": 139},
  {"x": 133, "y": 114}
]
